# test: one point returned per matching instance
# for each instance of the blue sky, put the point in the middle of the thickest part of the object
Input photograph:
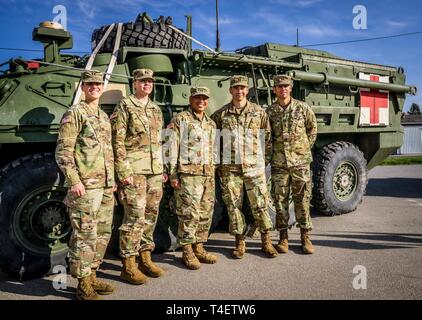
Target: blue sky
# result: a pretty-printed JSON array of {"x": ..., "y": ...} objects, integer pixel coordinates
[{"x": 242, "y": 23}]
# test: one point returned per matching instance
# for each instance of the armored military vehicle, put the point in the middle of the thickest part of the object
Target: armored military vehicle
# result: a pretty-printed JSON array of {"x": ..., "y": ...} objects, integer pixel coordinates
[{"x": 358, "y": 108}]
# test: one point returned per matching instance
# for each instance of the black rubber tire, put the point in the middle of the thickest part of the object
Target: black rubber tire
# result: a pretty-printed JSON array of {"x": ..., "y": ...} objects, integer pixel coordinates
[
  {"x": 141, "y": 34},
  {"x": 325, "y": 164},
  {"x": 17, "y": 180}
]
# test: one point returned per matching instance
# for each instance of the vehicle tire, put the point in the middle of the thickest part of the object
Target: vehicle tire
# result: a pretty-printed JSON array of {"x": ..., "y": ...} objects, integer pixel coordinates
[
  {"x": 339, "y": 177},
  {"x": 141, "y": 34},
  {"x": 34, "y": 227}
]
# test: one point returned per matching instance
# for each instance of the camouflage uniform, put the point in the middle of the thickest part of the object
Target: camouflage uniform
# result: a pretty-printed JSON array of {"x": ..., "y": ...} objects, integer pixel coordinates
[
  {"x": 138, "y": 153},
  {"x": 84, "y": 154},
  {"x": 242, "y": 163},
  {"x": 193, "y": 165},
  {"x": 294, "y": 132}
]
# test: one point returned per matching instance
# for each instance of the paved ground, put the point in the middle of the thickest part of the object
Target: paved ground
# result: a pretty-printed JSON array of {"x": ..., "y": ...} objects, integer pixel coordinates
[{"x": 384, "y": 236}]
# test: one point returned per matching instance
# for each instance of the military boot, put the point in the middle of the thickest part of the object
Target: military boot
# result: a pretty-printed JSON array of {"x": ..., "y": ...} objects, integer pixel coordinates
[
  {"x": 131, "y": 273},
  {"x": 240, "y": 247},
  {"x": 307, "y": 246},
  {"x": 203, "y": 255},
  {"x": 283, "y": 244},
  {"x": 267, "y": 246},
  {"x": 189, "y": 258},
  {"x": 85, "y": 290},
  {"x": 100, "y": 287},
  {"x": 147, "y": 266}
]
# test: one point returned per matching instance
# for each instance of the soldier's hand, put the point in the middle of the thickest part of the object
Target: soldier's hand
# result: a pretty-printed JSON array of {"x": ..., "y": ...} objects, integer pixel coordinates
[
  {"x": 175, "y": 183},
  {"x": 115, "y": 188},
  {"x": 78, "y": 189},
  {"x": 165, "y": 177},
  {"x": 128, "y": 181}
]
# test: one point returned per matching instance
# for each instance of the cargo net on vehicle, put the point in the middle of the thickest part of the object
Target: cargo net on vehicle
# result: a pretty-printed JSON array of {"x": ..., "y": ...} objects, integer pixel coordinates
[{"x": 143, "y": 32}]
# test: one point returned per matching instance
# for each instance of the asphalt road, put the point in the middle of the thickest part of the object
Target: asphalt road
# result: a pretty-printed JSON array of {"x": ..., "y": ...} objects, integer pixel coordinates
[{"x": 382, "y": 239}]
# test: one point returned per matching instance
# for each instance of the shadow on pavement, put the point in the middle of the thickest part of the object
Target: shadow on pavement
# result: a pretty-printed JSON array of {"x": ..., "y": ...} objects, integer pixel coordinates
[
  {"x": 253, "y": 247},
  {"x": 395, "y": 188},
  {"x": 410, "y": 239},
  {"x": 40, "y": 288},
  {"x": 352, "y": 241}
]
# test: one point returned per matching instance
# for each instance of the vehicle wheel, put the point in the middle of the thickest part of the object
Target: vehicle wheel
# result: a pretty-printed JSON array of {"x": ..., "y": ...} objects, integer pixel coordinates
[
  {"x": 34, "y": 227},
  {"x": 339, "y": 177},
  {"x": 142, "y": 33}
]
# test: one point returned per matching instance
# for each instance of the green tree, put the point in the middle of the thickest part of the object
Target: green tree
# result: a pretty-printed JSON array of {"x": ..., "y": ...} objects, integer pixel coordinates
[{"x": 414, "y": 109}]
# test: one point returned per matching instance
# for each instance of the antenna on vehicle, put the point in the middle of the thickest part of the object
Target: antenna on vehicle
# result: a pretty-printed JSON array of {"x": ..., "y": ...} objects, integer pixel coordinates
[
  {"x": 297, "y": 37},
  {"x": 189, "y": 31},
  {"x": 217, "y": 31}
]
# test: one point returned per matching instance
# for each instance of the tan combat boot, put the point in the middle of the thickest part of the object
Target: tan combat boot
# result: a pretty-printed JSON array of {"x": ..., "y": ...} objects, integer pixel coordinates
[
  {"x": 100, "y": 287},
  {"x": 307, "y": 246},
  {"x": 189, "y": 258},
  {"x": 240, "y": 247},
  {"x": 283, "y": 244},
  {"x": 267, "y": 246},
  {"x": 131, "y": 273},
  {"x": 202, "y": 254},
  {"x": 147, "y": 266},
  {"x": 85, "y": 290}
]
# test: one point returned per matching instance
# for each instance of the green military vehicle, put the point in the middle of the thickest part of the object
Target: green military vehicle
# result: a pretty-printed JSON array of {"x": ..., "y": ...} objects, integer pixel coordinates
[{"x": 358, "y": 108}]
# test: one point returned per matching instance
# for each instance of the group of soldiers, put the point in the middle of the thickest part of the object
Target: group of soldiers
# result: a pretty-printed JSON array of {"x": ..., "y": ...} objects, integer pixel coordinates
[{"x": 100, "y": 155}]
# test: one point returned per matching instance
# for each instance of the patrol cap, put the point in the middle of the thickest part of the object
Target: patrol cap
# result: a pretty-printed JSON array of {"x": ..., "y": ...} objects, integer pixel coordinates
[
  {"x": 92, "y": 76},
  {"x": 239, "y": 81},
  {"x": 200, "y": 91},
  {"x": 282, "y": 79},
  {"x": 140, "y": 74}
]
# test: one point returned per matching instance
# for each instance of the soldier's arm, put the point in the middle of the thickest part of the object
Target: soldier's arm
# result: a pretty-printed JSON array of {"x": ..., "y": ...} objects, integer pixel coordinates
[
  {"x": 266, "y": 126},
  {"x": 119, "y": 121},
  {"x": 311, "y": 126},
  {"x": 65, "y": 150},
  {"x": 173, "y": 155}
]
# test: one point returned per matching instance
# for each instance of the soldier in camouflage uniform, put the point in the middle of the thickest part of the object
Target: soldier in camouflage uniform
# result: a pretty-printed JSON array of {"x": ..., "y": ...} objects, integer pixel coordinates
[
  {"x": 137, "y": 124},
  {"x": 245, "y": 129},
  {"x": 85, "y": 157},
  {"x": 192, "y": 175},
  {"x": 294, "y": 131}
]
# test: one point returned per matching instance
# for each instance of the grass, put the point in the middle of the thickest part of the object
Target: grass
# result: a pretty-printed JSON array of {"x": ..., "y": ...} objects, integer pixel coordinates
[{"x": 401, "y": 160}]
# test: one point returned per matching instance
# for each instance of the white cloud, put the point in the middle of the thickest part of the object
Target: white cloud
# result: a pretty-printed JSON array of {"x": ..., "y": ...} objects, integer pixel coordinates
[
  {"x": 397, "y": 24},
  {"x": 298, "y": 3},
  {"x": 313, "y": 28},
  {"x": 207, "y": 24},
  {"x": 157, "y": 4},
  {"x": 86, "y": 9}
]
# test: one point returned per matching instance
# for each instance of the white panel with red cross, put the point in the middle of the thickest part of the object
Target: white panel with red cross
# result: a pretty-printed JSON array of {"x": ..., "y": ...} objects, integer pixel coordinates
[{"x": 374, "y": 103}]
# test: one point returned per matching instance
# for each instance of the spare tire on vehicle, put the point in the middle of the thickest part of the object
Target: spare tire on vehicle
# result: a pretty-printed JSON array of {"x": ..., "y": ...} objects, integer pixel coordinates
[{"x": 142, "y": 33}]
